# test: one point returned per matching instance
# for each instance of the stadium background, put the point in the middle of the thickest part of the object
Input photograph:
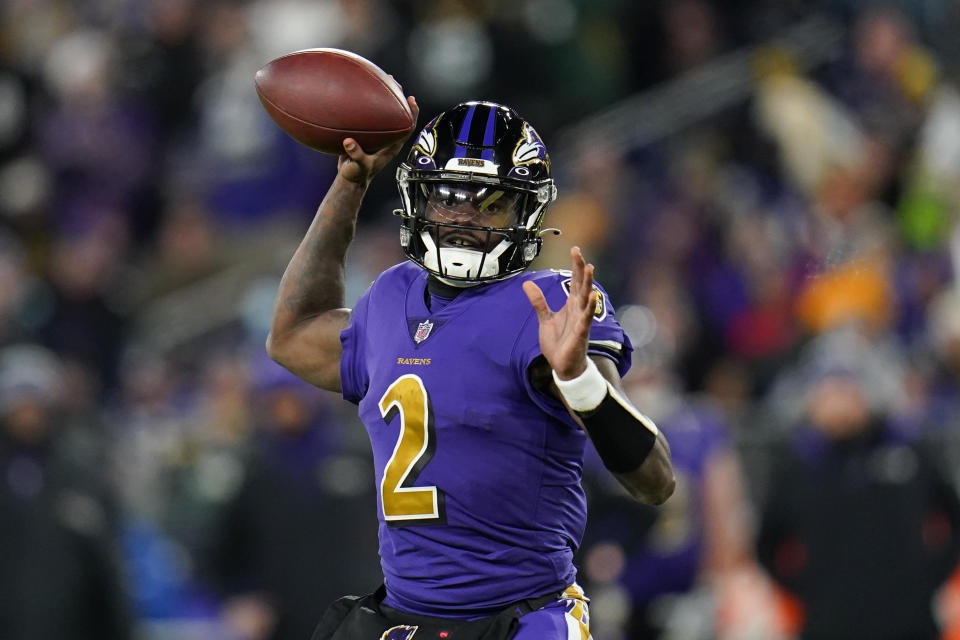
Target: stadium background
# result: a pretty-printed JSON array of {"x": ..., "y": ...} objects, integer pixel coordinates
[{"x": 763, "y": 185}]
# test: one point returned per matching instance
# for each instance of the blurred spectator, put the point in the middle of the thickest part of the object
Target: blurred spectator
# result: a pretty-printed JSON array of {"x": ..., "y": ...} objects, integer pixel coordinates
[
  {"x": 148, "y": 425},
  {"x": 676, "y": 572},
  {"x": 158, "y": 64},
  {"x": 692, "y": 34},
  {"x": 939, "y": 404},
  {"x": 859, "y": 524},
  {"x": 153, "y": 458},
  {"x": 684, "y": 568},
  {"x": 98, "y": 144},
  {"x": 814, "y": 133},
  {"x": 298, "y": 533},
  {"x": 19, "y": 290},
  {"x": 858, "y": 291},
  {"x": 585, "y": 210},
  {"x": 87, "y": 320},
  {"x": 932, "y": 175},
  {"x": 888, "y": 76},
  {"x": 60, "y": 576},
  {"x": 186, "y": 251}
]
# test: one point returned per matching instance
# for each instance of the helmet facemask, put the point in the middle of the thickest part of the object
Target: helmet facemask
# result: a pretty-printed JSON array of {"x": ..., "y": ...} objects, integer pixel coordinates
[{"x": 467, "y": 231}]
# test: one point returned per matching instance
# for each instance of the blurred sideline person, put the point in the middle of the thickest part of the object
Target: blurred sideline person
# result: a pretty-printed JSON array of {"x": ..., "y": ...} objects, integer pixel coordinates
[
  {"x": 859, "y": 524},
  {"x": 299, "y": 530},
  {"x": 478, "y": 398},
  {"x": 686, "y": 568},
  {"x": 60, "y": 575}
]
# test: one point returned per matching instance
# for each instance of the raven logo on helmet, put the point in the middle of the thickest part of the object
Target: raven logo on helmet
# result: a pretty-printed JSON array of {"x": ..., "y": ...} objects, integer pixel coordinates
[
  {"x": 474, "y": 189},
  {"x": 530, "y": 149},
  {"x": 427, "y": 141}
]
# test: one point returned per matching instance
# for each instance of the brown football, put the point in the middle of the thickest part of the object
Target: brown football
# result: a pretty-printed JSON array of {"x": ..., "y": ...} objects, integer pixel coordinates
[{"x": 321, "y": 96}]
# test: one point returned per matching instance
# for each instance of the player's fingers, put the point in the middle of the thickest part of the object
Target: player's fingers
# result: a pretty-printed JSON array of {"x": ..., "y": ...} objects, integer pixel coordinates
[
  {"x": 414, "y": 107},
  {"x": 584, "y": 271},
  {"x": 576, "y": 260},
  {"x": 537, "y": 300},
  {"x": 384, "y": 155},
  {"x": 589, "y": 307},
  {"x": 585, "y": 286},
  {"x": 587, "y": 283},
  {"x": 354, "y": 151}
]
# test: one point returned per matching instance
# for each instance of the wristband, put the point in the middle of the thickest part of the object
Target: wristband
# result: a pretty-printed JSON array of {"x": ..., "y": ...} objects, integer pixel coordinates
[{"x": 586, "y": 391}]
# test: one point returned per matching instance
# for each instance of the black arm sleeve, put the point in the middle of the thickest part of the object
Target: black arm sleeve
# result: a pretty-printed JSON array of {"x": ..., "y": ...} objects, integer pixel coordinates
[{"x": 622, "y": 436}]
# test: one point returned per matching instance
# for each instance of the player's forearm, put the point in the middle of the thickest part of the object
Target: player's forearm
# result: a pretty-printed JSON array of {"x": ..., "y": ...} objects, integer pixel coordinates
[
  {"x": 313, "y": 282},
  {"x": 628, "y": 442},
  {"x": 653, "y": 481}
]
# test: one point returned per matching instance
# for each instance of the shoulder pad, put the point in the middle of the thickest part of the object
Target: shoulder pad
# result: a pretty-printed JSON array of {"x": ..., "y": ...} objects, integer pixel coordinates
[{"x": 555, "y": 284}]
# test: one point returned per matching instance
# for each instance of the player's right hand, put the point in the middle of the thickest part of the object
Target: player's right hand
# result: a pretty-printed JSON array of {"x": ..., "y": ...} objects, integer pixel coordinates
[{"x": 359, "y": 167}]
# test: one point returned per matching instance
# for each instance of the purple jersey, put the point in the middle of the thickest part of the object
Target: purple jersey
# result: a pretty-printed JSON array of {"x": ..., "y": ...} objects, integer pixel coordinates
[{"x": 479, "y": 500}]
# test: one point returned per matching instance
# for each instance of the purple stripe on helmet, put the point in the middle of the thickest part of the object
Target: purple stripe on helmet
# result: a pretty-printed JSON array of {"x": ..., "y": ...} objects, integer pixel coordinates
[
  {"x": 464, "y": 136},
  {"x": 488, "y": 134}
]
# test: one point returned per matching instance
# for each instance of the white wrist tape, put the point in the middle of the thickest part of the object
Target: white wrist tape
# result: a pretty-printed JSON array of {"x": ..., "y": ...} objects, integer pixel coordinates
[{"x": 586, "y": 391}]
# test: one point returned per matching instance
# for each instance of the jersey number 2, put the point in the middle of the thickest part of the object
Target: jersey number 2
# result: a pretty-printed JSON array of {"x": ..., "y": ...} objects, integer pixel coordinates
[{"x": 402, "y": 502}]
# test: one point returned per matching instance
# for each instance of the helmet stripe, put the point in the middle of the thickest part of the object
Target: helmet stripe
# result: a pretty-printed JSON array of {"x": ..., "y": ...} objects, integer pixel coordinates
[
  {"x": 477, "y": 128},
  {"x": 463, "y": 137},
  {"x": 491, "y": 123},
  {"x": 488, "y": 134}
]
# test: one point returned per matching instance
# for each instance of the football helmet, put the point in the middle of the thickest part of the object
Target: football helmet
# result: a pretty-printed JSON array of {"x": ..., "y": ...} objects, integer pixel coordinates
[{"x": 474, "y": 189}]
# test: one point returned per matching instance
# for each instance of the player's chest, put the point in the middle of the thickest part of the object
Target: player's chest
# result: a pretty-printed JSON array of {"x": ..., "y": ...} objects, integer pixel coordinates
[
  {"x": 461, "y": 354},
  {"x": 451, "y": 359},
  {"x": 455, "y": 374},
  {"x": 473, "y": 333}
]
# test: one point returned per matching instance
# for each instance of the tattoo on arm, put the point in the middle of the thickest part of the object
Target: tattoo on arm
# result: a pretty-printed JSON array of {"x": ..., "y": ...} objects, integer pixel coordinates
[{"x": 314, "y": 279}]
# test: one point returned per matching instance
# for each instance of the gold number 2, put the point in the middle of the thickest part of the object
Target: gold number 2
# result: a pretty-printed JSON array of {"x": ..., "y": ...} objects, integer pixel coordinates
[{"x": 400, "y": 499}]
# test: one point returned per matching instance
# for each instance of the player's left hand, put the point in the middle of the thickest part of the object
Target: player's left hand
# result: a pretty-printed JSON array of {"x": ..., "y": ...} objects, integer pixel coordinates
[{"x": 564, "y": 333}]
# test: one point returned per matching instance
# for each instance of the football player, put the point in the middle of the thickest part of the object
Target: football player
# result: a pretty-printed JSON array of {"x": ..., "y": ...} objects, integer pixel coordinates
[{"x": 478, "y": 381}]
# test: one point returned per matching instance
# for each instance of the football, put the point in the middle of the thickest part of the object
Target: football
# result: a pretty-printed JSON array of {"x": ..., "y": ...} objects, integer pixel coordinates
[{"x": 321, "y": 96}]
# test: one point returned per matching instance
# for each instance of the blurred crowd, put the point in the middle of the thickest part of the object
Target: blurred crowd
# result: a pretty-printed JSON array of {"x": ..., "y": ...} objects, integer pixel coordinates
[{"x": 786, "y": 269}]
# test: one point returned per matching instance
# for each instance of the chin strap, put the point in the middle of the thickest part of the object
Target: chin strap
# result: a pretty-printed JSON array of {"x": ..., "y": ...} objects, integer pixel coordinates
[{"x": 460, "y": 262}]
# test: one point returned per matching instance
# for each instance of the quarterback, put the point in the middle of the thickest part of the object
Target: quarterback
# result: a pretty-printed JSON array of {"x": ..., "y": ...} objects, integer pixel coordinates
[{"x": 479, "y": 382}]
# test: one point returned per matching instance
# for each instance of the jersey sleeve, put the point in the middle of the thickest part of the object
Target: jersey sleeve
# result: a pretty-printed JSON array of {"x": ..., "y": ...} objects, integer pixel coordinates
[
  {"x": 354, "y": 378},
  {"x": 607, "y": 337}
]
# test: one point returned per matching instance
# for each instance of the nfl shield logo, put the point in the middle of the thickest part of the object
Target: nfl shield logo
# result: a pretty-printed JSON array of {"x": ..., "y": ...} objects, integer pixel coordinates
[{"x": 423, "y": 331}]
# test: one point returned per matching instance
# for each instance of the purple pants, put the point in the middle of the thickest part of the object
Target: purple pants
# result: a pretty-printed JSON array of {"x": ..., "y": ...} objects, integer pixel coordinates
[{"x": 564, "y": 619}]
